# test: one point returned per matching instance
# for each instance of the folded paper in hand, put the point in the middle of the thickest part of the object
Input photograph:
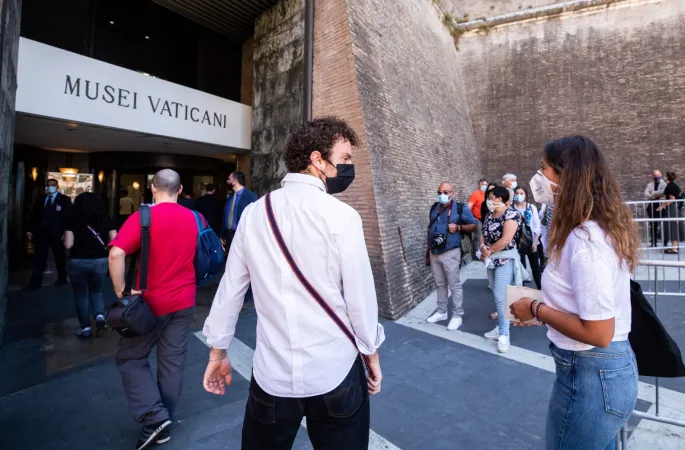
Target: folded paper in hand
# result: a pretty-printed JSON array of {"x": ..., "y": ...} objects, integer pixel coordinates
[{"x": 515, "y": 293}]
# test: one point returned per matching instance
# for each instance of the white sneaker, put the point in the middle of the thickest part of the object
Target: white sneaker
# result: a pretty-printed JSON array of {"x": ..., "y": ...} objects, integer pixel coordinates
[
  {"x": 492, "y": 335},
  {"x": 455, "y": 323},
  {"x": 489, "y": 286},
  {"x": 437, "y": 317},
  {"x": 503, "y": 344}
]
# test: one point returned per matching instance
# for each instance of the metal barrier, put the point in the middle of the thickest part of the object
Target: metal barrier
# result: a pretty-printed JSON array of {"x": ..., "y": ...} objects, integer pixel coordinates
[{"x": 622, "y": 436}]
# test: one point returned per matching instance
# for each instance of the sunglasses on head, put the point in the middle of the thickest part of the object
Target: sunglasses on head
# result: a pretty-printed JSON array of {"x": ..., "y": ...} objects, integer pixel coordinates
[{"x": 444, "y": 192}]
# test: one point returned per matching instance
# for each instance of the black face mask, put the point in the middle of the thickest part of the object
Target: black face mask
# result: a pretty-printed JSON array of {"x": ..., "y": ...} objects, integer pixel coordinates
[{"x": 341, "y": 182}]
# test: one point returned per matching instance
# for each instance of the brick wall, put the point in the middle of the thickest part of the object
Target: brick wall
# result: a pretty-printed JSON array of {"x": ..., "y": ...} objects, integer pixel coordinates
[
  {"x": 277, "y": 90},
  {"x": 417, "y": 129},
  {"x": 10, "y": 14},
  {"x": 609, "y": 74},
  {"x": 335, "y": 92}
]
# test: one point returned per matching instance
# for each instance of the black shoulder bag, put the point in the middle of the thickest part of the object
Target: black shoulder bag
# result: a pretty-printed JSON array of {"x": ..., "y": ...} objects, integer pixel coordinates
[
  {"x": 130, "y": 316},
  {"x": 656, "y": 352}
]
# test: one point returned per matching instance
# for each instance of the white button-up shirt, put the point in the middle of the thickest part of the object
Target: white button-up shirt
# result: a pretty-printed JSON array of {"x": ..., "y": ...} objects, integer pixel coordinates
[{"x": 300, "y": 351}]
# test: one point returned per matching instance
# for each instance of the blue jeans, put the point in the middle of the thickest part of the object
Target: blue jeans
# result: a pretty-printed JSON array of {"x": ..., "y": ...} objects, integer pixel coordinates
[
  {"x": 86, "y": 277},
  {"x": 593, "y": 396},
  {"x": 500, "y": 277}
]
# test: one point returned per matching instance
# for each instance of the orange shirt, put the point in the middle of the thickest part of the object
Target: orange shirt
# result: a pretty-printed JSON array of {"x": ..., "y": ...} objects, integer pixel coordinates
[{"x": 477, "y": 198}]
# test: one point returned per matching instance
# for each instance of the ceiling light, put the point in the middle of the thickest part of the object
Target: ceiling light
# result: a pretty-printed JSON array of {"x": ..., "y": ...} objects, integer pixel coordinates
[
  {"x": 147, "y": 37},
  {"x": 111, "y": 22}
]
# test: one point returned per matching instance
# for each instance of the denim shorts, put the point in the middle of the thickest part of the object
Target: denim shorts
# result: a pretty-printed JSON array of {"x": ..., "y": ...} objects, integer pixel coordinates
[{"x": 594, "y": 395}]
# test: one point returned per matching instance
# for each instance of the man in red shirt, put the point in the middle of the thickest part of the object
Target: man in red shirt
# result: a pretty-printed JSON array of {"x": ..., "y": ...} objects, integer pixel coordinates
[
  {"x": 170, "y": 294},
  {"x": 475, "y": 202}
]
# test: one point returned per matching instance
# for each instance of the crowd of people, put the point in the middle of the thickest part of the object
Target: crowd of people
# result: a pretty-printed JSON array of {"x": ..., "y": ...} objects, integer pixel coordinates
[
  {"x": 581, "y": 246},
  {"x": 303, "y": 253}
]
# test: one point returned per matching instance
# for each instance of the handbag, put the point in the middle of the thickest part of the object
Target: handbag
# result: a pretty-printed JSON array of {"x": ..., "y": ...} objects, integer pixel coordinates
[
  {"x": 656, "y": 352},
  {"x": 303, "y": 280},
  {"x": 130, "y": 316}
]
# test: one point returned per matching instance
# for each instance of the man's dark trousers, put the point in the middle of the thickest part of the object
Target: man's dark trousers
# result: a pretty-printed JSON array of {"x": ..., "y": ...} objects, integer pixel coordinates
[
  {"x": 148, "y": 401},
  {"x": 43, "y": 240},
  {"x": 338, "y": 420}
]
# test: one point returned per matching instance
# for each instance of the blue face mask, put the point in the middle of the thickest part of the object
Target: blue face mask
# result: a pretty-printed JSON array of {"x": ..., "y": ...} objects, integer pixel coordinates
[
  {"x": 443, "y": 199},
  {"x": 52, "y": 189},
  {"x": 519, "y": 198}
]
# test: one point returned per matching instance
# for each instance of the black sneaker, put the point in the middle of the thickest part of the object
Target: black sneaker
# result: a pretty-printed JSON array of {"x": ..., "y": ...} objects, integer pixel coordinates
[
  {"x": 60, "y": 283},
  {"x": 32, "y": 287},
  {"x": 157, "y": 433}
]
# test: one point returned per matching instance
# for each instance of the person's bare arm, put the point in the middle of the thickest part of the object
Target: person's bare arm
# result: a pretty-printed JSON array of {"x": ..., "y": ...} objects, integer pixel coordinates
[
  {"x": 597, "y": 333},
  {"x": 510, "y": 227},
  {"x": 68, "y": 240},
  {"x": 117, "y": 269},
  {"x": 112, "y": 234}
]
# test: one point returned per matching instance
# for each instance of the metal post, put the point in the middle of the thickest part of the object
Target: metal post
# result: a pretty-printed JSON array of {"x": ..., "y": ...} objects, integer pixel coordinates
[
  {"x": 624, "y": 437},
  {"x": 617, "y": 441},
  {"x": 656, "y": 313}
]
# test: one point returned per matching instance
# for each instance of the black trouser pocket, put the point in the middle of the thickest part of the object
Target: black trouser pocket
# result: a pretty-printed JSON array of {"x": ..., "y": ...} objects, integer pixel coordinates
[
  {"x": 260, "y": 405},
  {"x": 346, "y": 399}
]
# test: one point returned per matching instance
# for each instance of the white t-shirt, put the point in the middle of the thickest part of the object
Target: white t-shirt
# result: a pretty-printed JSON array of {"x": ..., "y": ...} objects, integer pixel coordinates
[{"x": 590, "y": 281}]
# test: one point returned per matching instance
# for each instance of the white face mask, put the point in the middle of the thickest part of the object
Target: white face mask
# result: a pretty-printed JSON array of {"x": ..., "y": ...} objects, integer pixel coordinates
[
  {"x": 443, "y": 199},
  {"x": 514, "y": 185},
  {"x": 542, "y": 189},
  {"x": 492, "y": 206}
]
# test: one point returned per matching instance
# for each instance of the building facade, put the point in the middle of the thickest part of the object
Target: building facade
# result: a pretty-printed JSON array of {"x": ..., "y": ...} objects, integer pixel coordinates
[{"x": 438, "y": 90}]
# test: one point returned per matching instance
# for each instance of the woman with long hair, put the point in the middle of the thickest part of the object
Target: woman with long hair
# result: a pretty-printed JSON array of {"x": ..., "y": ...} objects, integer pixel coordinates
[
  {"x": 593, "y": 248},
  {"x": 88, "y": 231}
]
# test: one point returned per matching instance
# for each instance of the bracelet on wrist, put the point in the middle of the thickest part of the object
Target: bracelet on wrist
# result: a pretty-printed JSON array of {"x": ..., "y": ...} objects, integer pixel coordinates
[
  {"x": 532, "y": 307},
  {"x": 537, "y": 313}
]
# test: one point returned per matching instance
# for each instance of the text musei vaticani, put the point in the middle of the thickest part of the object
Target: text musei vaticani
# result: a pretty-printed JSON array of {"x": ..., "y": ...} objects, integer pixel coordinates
[{"x": 129, "y": 99}]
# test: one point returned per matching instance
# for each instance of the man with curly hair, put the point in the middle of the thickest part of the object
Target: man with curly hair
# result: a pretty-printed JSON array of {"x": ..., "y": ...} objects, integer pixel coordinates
[{"x": 304, "y": 252}]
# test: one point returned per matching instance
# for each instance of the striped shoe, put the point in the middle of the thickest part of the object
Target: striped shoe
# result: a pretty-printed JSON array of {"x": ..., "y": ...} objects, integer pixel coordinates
[{"x": 157, "y": 433}]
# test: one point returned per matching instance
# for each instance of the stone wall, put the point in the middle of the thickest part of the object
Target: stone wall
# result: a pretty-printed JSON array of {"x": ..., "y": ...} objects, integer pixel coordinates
[
  {"x": 610, "y": 73},
  {"x": 487, "y": 8},
  {"x": 277, "y": 90},
  {"x": 336, "y": 93},
  {"x": 417, "y": 129},
  {"x": 10, "y": 16}
]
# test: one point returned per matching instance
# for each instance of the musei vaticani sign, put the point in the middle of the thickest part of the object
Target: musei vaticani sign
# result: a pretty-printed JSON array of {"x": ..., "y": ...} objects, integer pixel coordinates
[{"x": 64, "y": 85}]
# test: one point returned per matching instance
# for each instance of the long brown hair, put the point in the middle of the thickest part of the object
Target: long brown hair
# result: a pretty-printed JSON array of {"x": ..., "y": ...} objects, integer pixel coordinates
[{"x": 588, "y": 191}]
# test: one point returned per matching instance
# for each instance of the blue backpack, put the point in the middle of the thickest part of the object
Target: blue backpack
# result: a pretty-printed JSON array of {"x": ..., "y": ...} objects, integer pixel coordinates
[{"x": 210, "y": 254}]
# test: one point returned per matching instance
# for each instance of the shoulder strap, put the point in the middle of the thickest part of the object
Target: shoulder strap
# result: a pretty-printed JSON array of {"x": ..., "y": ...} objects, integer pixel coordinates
[
  {"x": 96, "y": 235},
  {"x": 300, "y": 276},
  {"x": 145, "y": 222},
  {"x": 460, "y": 208}
]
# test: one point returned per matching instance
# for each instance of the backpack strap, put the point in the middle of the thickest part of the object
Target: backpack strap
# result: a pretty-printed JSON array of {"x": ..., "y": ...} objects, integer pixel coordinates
[{"x": 145, "y": 222}]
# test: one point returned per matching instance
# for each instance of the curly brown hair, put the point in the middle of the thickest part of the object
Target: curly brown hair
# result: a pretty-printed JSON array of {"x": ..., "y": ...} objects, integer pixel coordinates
[
  {"x": 320, "y": 135},
  {"x": 588, "y": 191}
]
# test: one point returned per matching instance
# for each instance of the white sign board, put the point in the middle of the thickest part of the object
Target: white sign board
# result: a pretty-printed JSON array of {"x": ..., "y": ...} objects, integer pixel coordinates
[{"x": 57, "y": 83}]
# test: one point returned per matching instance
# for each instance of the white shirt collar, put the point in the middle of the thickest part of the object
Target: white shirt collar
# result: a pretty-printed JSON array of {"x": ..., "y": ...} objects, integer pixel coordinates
[{"x": 303, "y": 179}]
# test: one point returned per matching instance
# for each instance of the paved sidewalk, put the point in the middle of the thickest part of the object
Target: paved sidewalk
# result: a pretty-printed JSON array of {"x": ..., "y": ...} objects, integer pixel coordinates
[{"x": 441, "y": 390}]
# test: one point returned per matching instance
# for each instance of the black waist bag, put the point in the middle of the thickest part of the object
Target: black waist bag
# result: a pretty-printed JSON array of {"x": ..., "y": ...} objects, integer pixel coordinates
[
  {"x": 130, "y": 316},
  {"x": 656, "y": 352}
]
